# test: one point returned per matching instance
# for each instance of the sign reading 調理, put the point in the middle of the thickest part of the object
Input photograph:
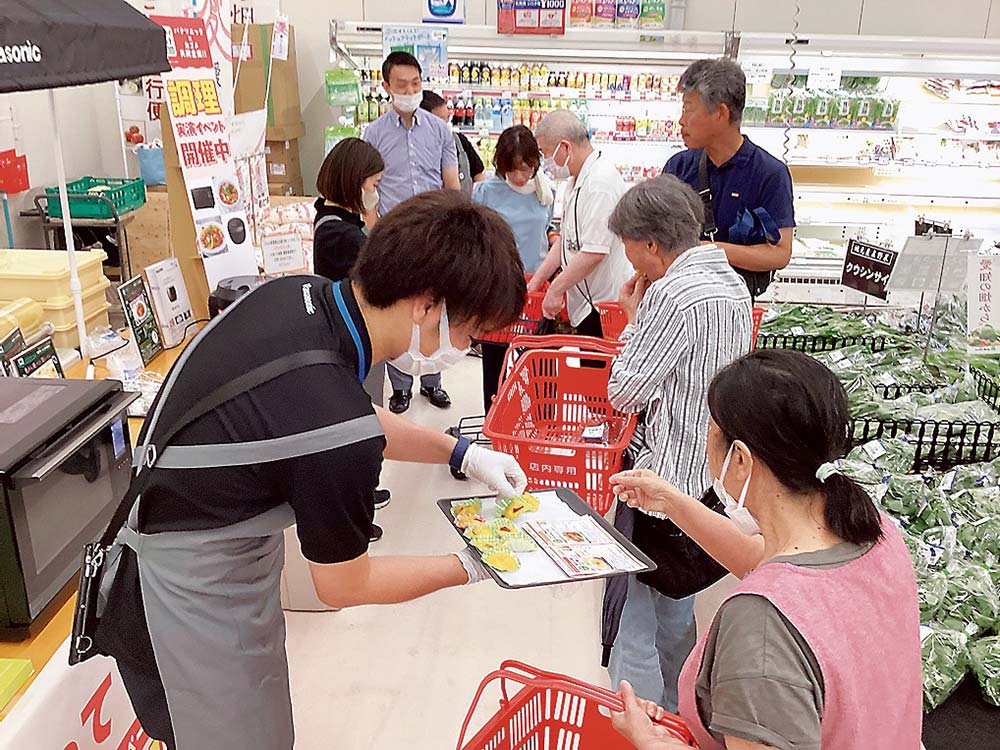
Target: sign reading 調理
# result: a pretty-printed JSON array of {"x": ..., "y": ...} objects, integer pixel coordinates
[{"x": 868, "y": 268}]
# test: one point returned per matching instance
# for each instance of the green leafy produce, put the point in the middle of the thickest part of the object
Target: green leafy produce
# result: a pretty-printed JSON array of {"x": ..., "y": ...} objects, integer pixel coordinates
[
  {"x": 981, "y": 536},
  {"x": 931, "y": 590},
  {"x": 934, "y": 512},
  {"x": 896, "y": 455},
  {"x": 965, "y": 411},
  {"x": 984, "y": 658},
  {"x": 945, "y": 654},
  {"x": 969, "y": 477},
  {"x": 906, "y": 495},
  {"x": 863, "y": 472},
  {"x": 971, "y": 596},
  {"x": 940, "y": 547}
]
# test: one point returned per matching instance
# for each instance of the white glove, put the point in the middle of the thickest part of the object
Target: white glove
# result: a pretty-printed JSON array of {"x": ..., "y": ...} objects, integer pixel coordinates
[
  {"x": 473, "y": 567},
  {"x": 498, "y": 471}
]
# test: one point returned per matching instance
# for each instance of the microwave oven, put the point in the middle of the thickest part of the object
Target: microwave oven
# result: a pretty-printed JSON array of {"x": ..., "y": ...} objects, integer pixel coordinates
[{"x": 65, "y": 464}]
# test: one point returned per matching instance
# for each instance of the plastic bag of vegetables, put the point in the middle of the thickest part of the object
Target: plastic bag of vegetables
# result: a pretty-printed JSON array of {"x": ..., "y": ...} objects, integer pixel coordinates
[
  {"x": 971, "y": 596},
  {"x": 863, "y": 472},
  {"x": 940, "y": 547},
  {"x": 984, "y": 658},
  {"x": 945, "y": 654},
  {"x": 931, "y": 589},
  {"x": 935, "y": 511},
  {"x": 906, "y": 495},
  {"x": 981, "y": 536},
  {"x": 967, "y": 477},
  {"x": 896, "y": 455}
]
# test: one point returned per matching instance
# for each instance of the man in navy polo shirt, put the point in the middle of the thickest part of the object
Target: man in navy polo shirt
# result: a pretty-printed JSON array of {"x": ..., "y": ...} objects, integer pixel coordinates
[{"x": 748, "y": 191}]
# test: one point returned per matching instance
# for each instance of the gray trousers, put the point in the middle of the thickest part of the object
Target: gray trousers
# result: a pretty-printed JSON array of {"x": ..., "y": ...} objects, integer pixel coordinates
[
  {"x": 375, "y": 384},
  {"x": 402, "y": 381}
]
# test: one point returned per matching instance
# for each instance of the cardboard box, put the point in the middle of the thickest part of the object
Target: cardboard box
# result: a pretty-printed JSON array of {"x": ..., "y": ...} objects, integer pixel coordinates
[
  {"x": 283, "y": 164},
  {"x": 284, "y": 110},
  {"x": 295, "y": 187}
]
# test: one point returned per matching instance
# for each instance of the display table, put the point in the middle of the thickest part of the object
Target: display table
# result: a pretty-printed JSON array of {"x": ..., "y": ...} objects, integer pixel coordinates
[{"x": 53, "y": 628}]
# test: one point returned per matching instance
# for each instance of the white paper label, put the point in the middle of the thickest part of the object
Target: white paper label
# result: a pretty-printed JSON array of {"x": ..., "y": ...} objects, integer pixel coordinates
[
  {"x": 948, "y": 480},
  {"x": 836, "y": 355},
  {"x": 758, "y": 72},
  {"x": 283, "y": 253},
  {"x": 925, "y": 633},
  {"x": 981, "y": 521},
  {"x": 277, "y": 168},
  {"x": 823, "y": 77},
  {"x": 279, "y": 39},
  {"x": 797, "y": 331},
  {"x": 843, "y": 364},
  {"x": 874, "y": 449},
  {"x": 886, "y": 378}
]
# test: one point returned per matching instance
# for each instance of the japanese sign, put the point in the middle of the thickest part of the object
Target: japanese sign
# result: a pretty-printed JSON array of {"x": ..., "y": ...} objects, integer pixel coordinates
[
  {"x": 531, "y": 17},
  {"x": 983, "y": 309},
  {"x": 426, "y": 43},
  {"x": 201, "y": 132},
  {"x": 11, "y": 344},
  {"x": 84, "y": 707},
  {"x": 933, "y": 264},
  {"x": 38, "y": 361},
  {"x": 141, "y": 320},
  {"x": 284, "y": 254},
  {"x": 867, "y": 268}
]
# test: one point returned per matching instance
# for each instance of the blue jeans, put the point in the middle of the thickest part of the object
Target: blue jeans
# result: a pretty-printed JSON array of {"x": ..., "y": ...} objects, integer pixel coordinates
[
  {"x": 403, "y": 381},
  {"x": 656, "y": 635}
]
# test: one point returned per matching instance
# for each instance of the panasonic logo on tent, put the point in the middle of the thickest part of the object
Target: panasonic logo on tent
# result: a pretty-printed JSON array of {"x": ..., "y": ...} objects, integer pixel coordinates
[{"x": 20, "y": 53}]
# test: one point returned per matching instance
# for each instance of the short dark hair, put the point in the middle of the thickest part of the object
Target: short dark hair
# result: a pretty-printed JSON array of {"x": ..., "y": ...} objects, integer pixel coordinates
[
  {"x": 399, "y": 59},
  {"x": 718, "y": 82},
  {"x": 442, "y": 244},
  {"x": 796, "y": 421},
  {"x": 344, "y": 171},
  {"x": 516, "y": 144},
  {"x": 432, "y": 101}
]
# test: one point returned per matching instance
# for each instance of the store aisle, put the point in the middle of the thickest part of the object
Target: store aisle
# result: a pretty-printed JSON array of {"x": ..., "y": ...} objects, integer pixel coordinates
[{"x": 404, "y": 676}]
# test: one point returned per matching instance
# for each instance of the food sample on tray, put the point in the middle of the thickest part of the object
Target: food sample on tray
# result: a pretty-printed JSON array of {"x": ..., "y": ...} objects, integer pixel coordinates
[
  {"x": 514, "y": 507},
  {"x": 505, "y": 562},
  {"x": 470, "y": 507}
]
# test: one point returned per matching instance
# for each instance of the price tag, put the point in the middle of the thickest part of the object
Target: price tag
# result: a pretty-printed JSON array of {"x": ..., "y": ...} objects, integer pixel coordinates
[
  {"x": 875, "y": 449},
  {"x": 758, "y": 72},
  {"x": 279, "y": 39},
  {"x": 836, "y": 355},
  {"x": 620, "y": 96},
  {"x": 797, "y": 331},
  {"x": 824, "y": 77},
  {"x": 868, "y": 268},
  {"x": 925, "y": 633},
  {"x": 886, "y": 378},
  {"x": 843, "y": 364},
  {"x": 283, "y": 253}
]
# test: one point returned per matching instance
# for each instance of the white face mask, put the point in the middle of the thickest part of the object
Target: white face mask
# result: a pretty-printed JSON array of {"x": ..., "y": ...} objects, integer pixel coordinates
[
  {"x": 557, "y": 172},
  {"x": 407, "y": 102},
  {"x": 737, "y": 511},
  {"x": 417, "y": 364},
  {"x": 526, "y": 189},
  {"x": 369, "y": 199}
]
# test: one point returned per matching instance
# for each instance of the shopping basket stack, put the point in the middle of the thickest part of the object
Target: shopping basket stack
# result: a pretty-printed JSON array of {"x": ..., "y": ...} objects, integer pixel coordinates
[
  {"x": 525, "y": 325},
  {"x": 552, "y": 712},
  {"x": 551, "y": 394}
]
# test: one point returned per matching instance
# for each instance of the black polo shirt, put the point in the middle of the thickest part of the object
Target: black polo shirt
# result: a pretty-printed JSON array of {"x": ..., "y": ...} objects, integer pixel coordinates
[
  {"x": 751, "y": 179},
  {"x": 330, "y": 491},
  {"x": 337, "y": 241}
]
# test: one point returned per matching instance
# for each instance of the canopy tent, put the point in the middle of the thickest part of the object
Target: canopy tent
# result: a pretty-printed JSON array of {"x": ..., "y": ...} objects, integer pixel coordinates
[{"x": 48, "y": 44}]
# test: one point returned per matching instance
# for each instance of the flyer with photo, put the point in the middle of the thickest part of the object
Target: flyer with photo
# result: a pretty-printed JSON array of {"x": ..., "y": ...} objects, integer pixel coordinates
[{"x": 580, "y": 547}]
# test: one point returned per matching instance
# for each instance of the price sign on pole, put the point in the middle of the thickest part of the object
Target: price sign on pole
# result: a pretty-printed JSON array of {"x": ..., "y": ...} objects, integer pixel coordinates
[
  {"x": 823, "y": 77},
  {"x": 758, "y": 72},
  {"x": 867, "y": 268}
]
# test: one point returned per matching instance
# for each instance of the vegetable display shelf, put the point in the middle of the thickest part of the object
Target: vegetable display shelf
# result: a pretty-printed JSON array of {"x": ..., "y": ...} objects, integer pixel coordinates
[
  {"x": 814, "y": 343},
  {"x": 940, "y": 444}
]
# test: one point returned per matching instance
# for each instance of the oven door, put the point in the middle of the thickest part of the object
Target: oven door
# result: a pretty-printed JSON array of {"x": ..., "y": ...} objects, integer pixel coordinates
[{"x": 64, "y": 498}]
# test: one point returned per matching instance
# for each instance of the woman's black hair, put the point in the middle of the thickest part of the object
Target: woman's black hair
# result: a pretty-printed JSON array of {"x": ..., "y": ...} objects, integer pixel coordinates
[
  {"x": 431, "y": 101},
  {"x": 516, "y": 144},
  {"x": 792, "y": 413},
  {"x": 344, "y": 171}
]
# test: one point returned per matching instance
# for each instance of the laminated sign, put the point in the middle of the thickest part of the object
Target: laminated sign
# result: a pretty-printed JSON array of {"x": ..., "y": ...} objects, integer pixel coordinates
[
  {"x": 218, "y": 205},
  {"x": 983, "y": 310},
  {"x": 531, "y": 17},
  {"x": 867, "y": 268}
]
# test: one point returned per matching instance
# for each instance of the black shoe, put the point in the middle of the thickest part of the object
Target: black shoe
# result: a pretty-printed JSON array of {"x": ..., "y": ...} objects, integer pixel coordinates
[
  {"x": 381, "y": 499},
  {"x": 400, "y": 401},
  {"x": 376, "y": 533},
  {"x": 437, "y": 396}
]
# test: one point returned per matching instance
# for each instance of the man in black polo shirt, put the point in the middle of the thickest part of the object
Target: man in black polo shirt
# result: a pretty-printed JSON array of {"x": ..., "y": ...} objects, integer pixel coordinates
[
  {"x": 747, "y": 192},
  {"x": 264, "y": 423}
]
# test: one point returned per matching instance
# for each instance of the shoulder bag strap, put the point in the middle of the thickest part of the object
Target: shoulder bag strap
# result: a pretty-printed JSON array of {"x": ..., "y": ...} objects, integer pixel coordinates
[
  {"x": 230, "y": 390},
  {"x": 705, "y": 192},
  {"x": 325, "y": 219}
]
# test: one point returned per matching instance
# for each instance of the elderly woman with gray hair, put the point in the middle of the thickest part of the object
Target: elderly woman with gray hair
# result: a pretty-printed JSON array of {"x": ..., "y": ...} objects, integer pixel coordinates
[{"x": 688, "y": 317}]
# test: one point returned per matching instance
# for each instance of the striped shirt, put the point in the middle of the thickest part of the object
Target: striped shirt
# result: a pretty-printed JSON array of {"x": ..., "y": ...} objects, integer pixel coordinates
[{"x": 691, "y": 323}]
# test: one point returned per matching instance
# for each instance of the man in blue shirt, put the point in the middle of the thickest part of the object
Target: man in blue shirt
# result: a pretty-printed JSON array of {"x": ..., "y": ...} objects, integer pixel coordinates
[
  {"x": 742, "y": 178},
  {"x": 419, "y": 154}
]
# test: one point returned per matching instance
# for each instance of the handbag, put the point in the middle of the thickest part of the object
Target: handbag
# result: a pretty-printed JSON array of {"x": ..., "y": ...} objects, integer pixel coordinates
[{"x": 683, "y": 568}]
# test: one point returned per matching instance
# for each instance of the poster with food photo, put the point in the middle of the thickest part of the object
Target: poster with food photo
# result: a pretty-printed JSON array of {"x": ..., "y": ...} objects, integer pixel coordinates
[
  {"x": 141, "y": 320},
  {"x": 211, "y": 238}
]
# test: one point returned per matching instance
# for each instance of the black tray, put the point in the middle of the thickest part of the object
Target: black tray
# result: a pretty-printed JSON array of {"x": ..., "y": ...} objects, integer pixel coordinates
[{"x": 578, "y": 506}]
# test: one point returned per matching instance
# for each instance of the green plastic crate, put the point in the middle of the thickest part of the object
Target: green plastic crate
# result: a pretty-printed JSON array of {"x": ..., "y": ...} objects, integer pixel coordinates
[{"x": 127, "y": 195}]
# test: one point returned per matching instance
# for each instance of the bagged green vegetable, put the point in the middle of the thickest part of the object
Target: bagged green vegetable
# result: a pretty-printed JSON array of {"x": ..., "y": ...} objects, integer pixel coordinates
[
  {"x": 971, "y": 596},
  {"x": 945, "y": 655},
  {"x": 934, "y": 512},
  {"x": 931, "y": 589},
  {"x": 968, "y": 477},
  {"x": 863, "y": 472},
  {"x": 906, "y": 495},
  {"x": 982, "y": 536},
  {"x": 940, "y": 547},
  {"x": 896, "y": 455},
  {"x": 966, "y": 411},
  {"x": 984, "y": 658}
]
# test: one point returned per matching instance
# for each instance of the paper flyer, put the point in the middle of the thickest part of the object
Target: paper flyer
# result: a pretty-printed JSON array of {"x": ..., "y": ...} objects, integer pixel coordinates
[{"x": 580, "y": 547}]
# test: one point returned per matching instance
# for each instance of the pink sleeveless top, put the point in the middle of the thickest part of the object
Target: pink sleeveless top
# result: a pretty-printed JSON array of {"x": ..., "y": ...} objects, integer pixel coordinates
[{"x": 862, "y": 622}]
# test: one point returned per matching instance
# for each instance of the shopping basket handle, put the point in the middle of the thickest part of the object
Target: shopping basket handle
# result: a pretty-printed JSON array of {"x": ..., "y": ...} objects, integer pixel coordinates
[
  {"x": 585, "y": 343},
  {"x": 569, "y": 686}
]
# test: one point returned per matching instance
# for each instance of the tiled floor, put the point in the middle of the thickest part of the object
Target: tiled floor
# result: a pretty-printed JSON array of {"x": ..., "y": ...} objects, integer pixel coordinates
[{"x": 404, "y": 676}]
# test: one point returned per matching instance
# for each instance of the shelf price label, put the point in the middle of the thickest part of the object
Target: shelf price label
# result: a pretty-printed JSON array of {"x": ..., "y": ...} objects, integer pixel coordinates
[
  {"x": 867, "y": 268},
  {"x": 824, "y": 77},
  {"x": 758, "y": 72}
]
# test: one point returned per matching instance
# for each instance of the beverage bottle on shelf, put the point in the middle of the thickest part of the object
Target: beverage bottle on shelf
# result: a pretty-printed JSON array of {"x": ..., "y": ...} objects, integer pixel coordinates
[
  {"x": 475, "y": 74},
  {"x": 486, "y": 74},
  {"x": 453, "y": 72},
  {"x": 583, "y": 113},
  {"x": 373, "y": 108},
  {"x": 383, "y": 104},
  {"x": 518, "y": 117},
  {"x": 507, "y": 113},
  {"x": 510, "y": 77},
  {"x": 458, "y": 118},
  {"x": 480, "y": 116},
  {"x": 552, "y": 81},
  {"x": 533, "y": 80},
  {"x": 543, "y": 75},
  {"x": 451, "y": 109},
  {"x": 536, "y": 115},
  {"x": 526, "y": 71},
  {"x": 463, "y": 73},
  {"x": 497, "y": 116},
  {"x": 470, "y": 112}
]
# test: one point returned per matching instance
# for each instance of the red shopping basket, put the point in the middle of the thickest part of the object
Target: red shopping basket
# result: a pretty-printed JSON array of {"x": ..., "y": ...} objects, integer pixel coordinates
[
  {"x": 525, "y": 325},
  {"x": 544, "y": 405},
  {"x": 613, "y": 319},
  {"x": 758, "y": 317},
  {"x": 550, "y": 712}
]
